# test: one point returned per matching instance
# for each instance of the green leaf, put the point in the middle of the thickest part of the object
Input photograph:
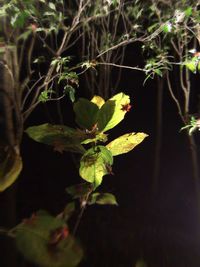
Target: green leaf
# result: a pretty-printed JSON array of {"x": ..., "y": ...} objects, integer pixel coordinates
[
  {"x": 68, "y": 89},
  {"x": 55, "y": 61},
  {"x": 45, "y": 95},
  {"x": 19, "y": 19},
  {"x": 188, "y": 11},
  {"x": 79, "y": 190},
  {"x": 61, "y": 137},
  {"x": 167, "y": 27},
  {"x": 108, "y": 116},
  {"x": 158, "y": 72},
  {"x": 115, "y": 2},
  {"x": 86, "y": 113},
  {"x": 113, "y": 112},
  {"x": 94, "y": 164},
  {"x": 10, "y": 169},
  {"x": 102, "y": 199},
  {"x": 45, "y": 240},
  {"x": 191, "y": 65},
  {"x": 125, "y": 143}
]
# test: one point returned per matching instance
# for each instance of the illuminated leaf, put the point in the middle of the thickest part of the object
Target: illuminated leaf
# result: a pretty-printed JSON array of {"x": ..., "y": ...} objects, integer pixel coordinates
[
  {"x": 10, "y": 169},
  {"x": 102, "y": 199},
  {"x": 191, "y": 65},
  {"x": 86, "y": 113},
  {"x": 125, "y": 143},
  {"x": 108, "y": 116},
  {"x": 93, "y": 164},
  {"x": 98, "y": 100},
  {"x": 112, "y": 112},
  {"x": 45, "y": 240},
  {"x": 61, "y": 137}
]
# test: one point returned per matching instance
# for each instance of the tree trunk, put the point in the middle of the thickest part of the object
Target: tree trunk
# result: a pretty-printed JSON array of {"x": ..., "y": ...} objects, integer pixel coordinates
[{"x": 9, "y": 142}]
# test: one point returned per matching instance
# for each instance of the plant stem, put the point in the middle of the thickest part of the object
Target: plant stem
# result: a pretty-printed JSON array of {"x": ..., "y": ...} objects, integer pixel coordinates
[
  {"x": 78, "y": 220},
  {"x": 83, "y": 207}
]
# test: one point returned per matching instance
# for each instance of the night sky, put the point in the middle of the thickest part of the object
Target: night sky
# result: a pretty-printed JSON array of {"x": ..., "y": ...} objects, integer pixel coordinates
[{"x": 159, "y": 226}]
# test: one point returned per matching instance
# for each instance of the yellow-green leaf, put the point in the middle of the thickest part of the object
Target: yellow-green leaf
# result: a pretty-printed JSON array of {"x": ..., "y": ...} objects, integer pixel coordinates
[
  {"x": 94, "y": 164},
  {"x": 98, "y": 100},
  {"x": 113, "y": 112},
  {"x": 10, "y": 169},
  {"x": 191, "y": 65},
  {"x": 125, "y": 143}
]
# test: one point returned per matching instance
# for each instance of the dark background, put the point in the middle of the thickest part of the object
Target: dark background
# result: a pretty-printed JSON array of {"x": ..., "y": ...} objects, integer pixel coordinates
[{"x": 160, "y": 226}]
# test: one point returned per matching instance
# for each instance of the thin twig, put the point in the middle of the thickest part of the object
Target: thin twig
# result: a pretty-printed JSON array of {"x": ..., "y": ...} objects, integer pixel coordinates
[
  {"x": 83, "y": 207},
  {"x": 120, "y": 66},
  {"x": 174, "y": 97}
]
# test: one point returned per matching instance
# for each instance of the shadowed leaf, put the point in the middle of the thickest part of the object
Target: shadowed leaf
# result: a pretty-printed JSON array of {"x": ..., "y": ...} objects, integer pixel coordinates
[
  {"x": 61, "y": 137},
  {"x": 102, "y": 199},
  {"x": 45, "y": 241},
  {"x": 86, "y": 113}
]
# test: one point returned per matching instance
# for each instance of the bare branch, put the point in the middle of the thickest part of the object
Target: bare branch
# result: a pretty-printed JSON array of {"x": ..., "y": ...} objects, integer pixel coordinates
[
  {"x": 174, "y": 97},
  {"x": 120, "y": 66}
]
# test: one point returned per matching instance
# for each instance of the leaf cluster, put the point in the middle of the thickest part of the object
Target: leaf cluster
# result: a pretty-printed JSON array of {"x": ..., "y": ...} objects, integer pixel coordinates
[
  {"x": 94, "y": 119},
  {"x": 47, "y": 240}
]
